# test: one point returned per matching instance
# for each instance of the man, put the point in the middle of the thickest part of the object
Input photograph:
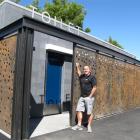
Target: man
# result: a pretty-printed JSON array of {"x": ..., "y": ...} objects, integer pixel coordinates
[{"x": 86, "y": 100}]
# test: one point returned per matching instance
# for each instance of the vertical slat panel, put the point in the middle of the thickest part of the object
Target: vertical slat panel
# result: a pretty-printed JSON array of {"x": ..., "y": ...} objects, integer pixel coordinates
[
  {"x": 18, "y": 85},
  {"x": 27, "y": 84},
  {"x": 21, "y": 99}
]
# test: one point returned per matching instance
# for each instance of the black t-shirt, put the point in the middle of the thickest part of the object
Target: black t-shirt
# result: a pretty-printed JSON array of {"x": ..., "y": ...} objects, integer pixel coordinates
[{"x": 87, "y": 83}]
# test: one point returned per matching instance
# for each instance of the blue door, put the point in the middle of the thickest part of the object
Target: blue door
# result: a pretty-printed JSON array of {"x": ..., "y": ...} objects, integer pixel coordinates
[{"x": 53, "y": 83}]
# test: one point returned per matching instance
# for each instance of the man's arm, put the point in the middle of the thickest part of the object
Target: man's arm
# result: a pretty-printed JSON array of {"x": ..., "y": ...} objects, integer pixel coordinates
[
  {"x": 78, "y": 69},
  {"x": 93, "y": 91}
]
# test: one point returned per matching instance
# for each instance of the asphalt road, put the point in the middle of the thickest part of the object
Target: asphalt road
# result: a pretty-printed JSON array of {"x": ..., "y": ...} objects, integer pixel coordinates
[{"x": 125, "y": 126}]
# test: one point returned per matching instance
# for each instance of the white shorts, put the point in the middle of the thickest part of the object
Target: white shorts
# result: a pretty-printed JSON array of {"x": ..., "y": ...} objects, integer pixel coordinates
[{"x": 85, "y": 103}]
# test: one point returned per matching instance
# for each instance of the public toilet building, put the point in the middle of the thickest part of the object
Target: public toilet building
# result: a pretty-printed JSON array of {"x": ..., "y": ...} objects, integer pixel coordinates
[{"x": 39, "y": 87}]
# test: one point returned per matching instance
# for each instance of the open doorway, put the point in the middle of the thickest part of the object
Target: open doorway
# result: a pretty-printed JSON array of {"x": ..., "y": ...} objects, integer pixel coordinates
[
  {"x": 58, "y": 83},
  {"x": 52, "y": 113},
  {"x": 53, "y": 78}
]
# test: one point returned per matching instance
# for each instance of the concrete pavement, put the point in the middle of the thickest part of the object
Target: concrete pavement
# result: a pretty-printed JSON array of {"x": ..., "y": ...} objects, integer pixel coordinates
[
  {"x": 2, "y": 137},
  {"x": 125, "y": 126},
  {"x": 49, "y": 124}
]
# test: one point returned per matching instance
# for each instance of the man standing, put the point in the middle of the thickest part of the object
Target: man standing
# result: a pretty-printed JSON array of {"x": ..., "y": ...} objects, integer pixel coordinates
[{"x": 86, "y": 100}]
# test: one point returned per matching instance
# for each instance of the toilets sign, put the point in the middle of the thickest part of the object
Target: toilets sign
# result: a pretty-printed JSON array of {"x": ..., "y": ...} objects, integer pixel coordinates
[{"x": 46, "y": 18}]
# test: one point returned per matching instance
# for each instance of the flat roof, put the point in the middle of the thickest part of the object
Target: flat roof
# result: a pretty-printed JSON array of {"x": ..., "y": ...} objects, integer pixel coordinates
[{"x": 12, "y": 12}]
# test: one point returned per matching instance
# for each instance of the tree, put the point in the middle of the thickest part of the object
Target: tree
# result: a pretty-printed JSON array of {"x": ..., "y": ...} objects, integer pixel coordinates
[
  {"x": 114, "y": 42},
  {"x": 16, "y": 1},
  {"x": 67, "y": 11},
  {"x": 35, "y": 3},
  {"x": 87, "y": 30}
]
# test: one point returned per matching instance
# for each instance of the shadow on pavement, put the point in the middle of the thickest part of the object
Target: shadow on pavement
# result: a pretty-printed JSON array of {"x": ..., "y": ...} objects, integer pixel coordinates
[
  {"x": 2, "y": 137},
  {"x": 33, "y": 124}
]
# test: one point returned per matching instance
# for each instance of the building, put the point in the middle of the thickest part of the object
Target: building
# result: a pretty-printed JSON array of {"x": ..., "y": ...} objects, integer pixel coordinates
[{"x": 37, "y": 70}]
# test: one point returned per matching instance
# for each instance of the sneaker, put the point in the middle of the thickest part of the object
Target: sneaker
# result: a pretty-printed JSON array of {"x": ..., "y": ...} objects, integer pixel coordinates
[
  {"x": 77, "y": 127},
  {"x": 89, "y": 129}
]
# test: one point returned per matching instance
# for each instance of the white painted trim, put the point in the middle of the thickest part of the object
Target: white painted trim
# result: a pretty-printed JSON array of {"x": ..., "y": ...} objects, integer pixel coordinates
[
  {"x": 2, "y": 3},
  {"x": 19, "y": 6},
  {"x": 5, "y": 134},
  {"x": 59, "y": 49},
  {"x": 15, "y": 33}
]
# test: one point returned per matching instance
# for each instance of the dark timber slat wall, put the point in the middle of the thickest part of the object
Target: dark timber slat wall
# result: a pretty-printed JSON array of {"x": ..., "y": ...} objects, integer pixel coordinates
[
  {"x": 118, "y": 87},
  {"x": 7, "y": 68}
]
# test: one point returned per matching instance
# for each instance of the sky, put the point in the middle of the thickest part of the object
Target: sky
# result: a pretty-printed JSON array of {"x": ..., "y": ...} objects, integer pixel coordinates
[{"x": 119, "y": 19}]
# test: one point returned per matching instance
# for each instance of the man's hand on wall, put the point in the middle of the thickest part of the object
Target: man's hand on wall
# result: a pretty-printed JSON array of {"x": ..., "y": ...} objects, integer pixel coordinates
[{"x": 77, "y": 65}]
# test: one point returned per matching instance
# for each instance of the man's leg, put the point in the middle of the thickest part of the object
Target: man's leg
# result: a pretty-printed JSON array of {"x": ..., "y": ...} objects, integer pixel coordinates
[
  {"x": 89, "y": 106},
  {"x": 90, "y": 119},
  {"x": 80, "y": 108},
  {"x": 79, "y": 117},
  {"x": 90, "y": 122}
]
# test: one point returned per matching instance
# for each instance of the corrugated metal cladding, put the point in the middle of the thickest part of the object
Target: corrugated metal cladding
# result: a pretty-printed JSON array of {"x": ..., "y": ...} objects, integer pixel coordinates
[{"x": 117, "y": 83}]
